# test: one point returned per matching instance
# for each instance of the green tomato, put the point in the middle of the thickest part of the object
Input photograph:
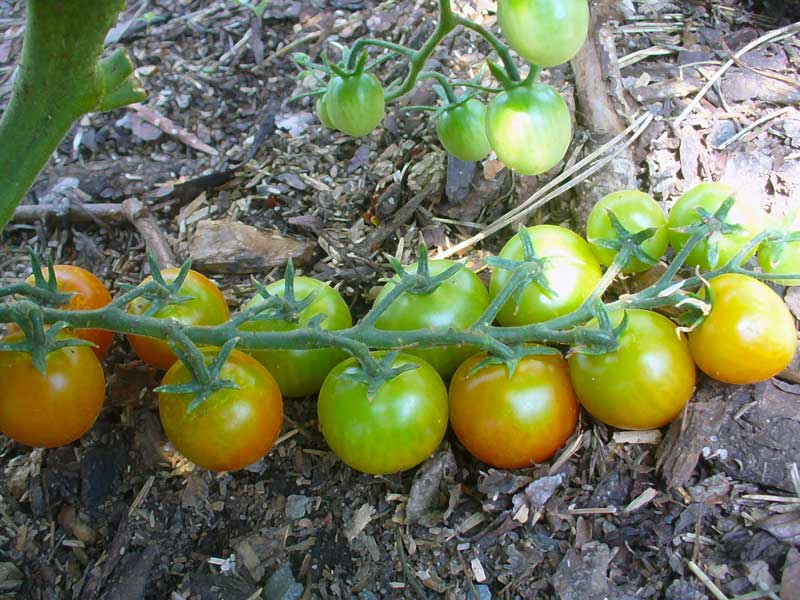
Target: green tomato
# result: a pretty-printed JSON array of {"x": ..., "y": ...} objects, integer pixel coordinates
[
  {"x": 710, "y": 196},
  {"x": 645, "y": 383},
  {"x": 780, "y": 259},
  {"x": 456, "y": 304},
  {"x": 301, "y": 372},
  {"x": 322, "y": 112},
  {"x": 529, "y": 128},
  {"x": 544, "y": 32},
  {"x": 396, "y": 429},
  {"x": 571, "y": 271},
  {"x": 462, "y": 130},
  {"x": 355, "y": 103},
  {"x": 636, "y": 211}
]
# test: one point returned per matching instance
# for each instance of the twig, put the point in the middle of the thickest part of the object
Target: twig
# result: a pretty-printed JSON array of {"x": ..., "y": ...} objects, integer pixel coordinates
[
  {"x": 773, "y": 35},
  {"x": 766, "y": 118},
  {"x": 169, "y": 127},
  {"x": 715, "y": 591},
  {"x": 761, "y": 72},
  {"x": 132, "y": 210}
]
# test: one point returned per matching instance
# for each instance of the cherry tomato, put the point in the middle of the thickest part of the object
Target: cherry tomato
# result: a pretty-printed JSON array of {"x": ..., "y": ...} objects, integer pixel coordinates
[
  {"x": 322, "y": 112},
  {"x": 53, "y": 408},
  {"x": 456, "y": 304},
  {"x": 90, "y": 293},
  {"x": 529, "y": 128},
  {"x": 571, "y": 270},
  {"x": 232, "y": 428},
  {"x": 710, "y": 196},
  {"x": 205, "y": 305},
  {"x": 462, "y": 130},
  {"x": 393, "y": 431},
  {"x": 645, "y": 383},
  {"x": 748, "y": 336},
  {"x": 513, "y": 422},
  {"x": 355, "y": 103},
  {"x": 301, "y": 372},
  {"x": 636, "y": 211},
  {"x": 777, "y": 259},
  {"x": 544, "y": 32}
]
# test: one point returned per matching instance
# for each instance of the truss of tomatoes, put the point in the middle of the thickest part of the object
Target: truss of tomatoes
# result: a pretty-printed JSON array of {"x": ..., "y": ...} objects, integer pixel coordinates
[{"x": 508, "y": 416}]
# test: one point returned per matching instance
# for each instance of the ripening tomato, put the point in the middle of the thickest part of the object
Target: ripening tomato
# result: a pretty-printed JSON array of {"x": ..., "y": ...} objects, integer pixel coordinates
[
  {"x": 748, "y": 336},
  {"x": 455, "y": 304},
  {"x": 204, "y": 305},
  {"x": 462, "y": 130},
  {"x": 513, "y": 422},
  {"x": 529, "y": 127},
  {"x": 355, "y": 103},
  {"x": 301, "y": 372},
  {"x": 55, "y": 407},
  {"x": 571, "y": 270},
  {"x": 710, "y": 197},
  {"x": 544, "y": 32},
  {"x": 89, "y": 293},
  {"x": 636, "y": 211},
  {"x": 396, "y": 429},
  {"x": 776, "y": 258},
  {"x": 645, "y": 383},
  {"x": 232, "y": 428}
]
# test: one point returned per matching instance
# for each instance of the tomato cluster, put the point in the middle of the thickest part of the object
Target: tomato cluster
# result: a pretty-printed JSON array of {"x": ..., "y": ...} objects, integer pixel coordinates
[
  {"x": 509, "y": 412},
  {"x": 527, "y": 124}
]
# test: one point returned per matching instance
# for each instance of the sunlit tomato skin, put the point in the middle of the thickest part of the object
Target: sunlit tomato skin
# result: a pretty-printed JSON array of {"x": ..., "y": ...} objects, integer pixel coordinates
[
  {"x": 462, "y": 130},
  {"x": 572, "y": 272},
  {"x": 456, "y": 304},
  {"x": 636, "y": 211},
  {"x": 393, "y": 431},
  {"x": 205, "y": 306},
  {"x": 780, "y": 261},
  {"x": 54, "y": 408},
  {"x": 322, "y": 112},
  {"x": 748, "y": 336},
  {"x": 645, "y": 383},
  {"x": 529, "y": 128},
  {"x": 513, "y": 422},
  {"x": 544, "y": 32},
  {"x": 710, "y": 196},
  {"x": 355, "y": 103},
  {"x": 232, "y": 428},
  {"x": 90, "y": 293},
  {"x": 301, "y": 372}
]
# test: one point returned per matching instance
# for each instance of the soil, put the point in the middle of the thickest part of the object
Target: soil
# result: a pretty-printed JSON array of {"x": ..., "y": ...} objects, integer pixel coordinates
[{"x": 709, "y": 507}]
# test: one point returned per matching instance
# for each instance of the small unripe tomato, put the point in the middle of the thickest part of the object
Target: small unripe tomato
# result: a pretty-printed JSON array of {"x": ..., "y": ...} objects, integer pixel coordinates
[
  {"x": 462, "y": 130},
  {"x": 355, "y": 103}
]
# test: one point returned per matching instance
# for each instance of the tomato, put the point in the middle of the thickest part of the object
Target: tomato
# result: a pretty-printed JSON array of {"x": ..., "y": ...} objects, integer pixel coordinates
[
  {"x": 393, "y": 431},
  {"x": 710, "y": 197},
  {"x": 455, "y": 304},
  {"x": 544, "y": 32},
  {"x": 205, "y": 305},
  {"x": 90, "y": 293},
  {"x": 636, "y": 211},
  {"x": 232, "y": 428},
  {"x": 513, "y": 422},
  {"x": 301, "y": 372},
  {"x": 462, "y": 130},
  {"x": 572, "y": 272},
  {"x": 54, "y": 408},
  {"x": 322, "y": 112},
  {"x": 355, "y": 103},
  {"x": 780, "y": 260},
  {"x": 645, "y": 383},
  {"x": 748, "y": 336},
  {"x": 529, "y": 127}
]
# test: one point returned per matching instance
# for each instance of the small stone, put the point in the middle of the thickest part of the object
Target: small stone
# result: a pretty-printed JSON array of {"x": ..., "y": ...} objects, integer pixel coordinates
[
  {"x": 282, "y": 585},
  {"x": 101, "y": 472},
  {"x": 483, "y": 590},
  {"x": 366, "y": 595},
  {"x": 721, "y": 132},
  {"x": 296, "y": 506}
]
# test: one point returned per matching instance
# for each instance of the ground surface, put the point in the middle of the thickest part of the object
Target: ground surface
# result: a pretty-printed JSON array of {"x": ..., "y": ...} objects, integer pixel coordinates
[{"x": 120, "y": 515}]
